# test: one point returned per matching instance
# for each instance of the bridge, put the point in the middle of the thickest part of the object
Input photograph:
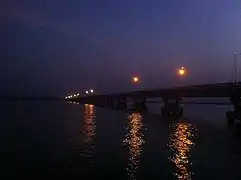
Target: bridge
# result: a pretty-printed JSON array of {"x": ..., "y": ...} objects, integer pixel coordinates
[{"x": 138, "y": 98}]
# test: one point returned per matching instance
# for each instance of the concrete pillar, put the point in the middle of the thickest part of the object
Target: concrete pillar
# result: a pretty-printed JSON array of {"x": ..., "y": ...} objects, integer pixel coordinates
[
  {"x": 119, "y": 103},
  {"x": 110, "y": 102},
  {"x": 236, "y": 113},
  {"x": 139, "y": 104},
  {"x": 104, "y": 102},
  {"x": 171, "y": 107}
]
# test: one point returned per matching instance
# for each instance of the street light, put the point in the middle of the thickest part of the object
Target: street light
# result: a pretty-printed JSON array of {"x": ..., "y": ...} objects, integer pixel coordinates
[
  {"x": 235, "y": 66},
  {"x": 87, "y": 92},
  {"x": 182, "y": 71},
  {"x": 91, "y": 90},
  {"x": 135, "y": 79}
]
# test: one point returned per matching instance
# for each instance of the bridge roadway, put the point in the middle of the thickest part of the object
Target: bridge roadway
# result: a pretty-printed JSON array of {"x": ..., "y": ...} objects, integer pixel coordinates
[
  {"x": 170, "y": 108},
  {"x": 206, "y": 90}
]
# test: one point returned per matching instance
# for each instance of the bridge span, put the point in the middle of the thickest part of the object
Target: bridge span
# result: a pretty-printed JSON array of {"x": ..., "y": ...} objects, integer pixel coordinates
[{"x": 168, "y": 95}]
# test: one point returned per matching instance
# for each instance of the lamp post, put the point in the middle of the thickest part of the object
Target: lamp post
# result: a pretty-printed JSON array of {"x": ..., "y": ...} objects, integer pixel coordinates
[{"x": 235, "y": 66}]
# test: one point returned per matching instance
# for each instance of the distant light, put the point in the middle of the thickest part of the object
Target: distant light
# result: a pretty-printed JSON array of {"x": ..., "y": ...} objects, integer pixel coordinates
[
  {"x": 74, "y": 94},
  {"x": 87, "y": 92},
  {"x": 91, "y": 90},
  {"x": 78, "y": 94},
  {"x": 135, "y": 79},
  {"x": 70, "y": 96},
  {"x": 182, "y": 71},
  {"x": 67, "y": 97}
]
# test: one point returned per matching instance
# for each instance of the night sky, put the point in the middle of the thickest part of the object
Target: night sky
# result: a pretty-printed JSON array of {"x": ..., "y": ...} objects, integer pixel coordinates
[{"x": 52, "y": 47}]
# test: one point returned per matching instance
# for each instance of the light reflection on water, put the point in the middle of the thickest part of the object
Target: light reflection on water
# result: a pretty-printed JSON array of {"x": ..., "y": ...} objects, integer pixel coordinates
[
  {"x": 89, "y": 122},
  {"x": 134, "y": 140},
  {"x": 89, "y": 131},
  {"x": 181, "y": 144}
]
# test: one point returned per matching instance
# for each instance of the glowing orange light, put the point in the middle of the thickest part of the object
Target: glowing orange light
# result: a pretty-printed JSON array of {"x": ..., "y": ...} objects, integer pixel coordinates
[
  {"x": 135, "y": 79},
  {"x": 182, "y": 71}
]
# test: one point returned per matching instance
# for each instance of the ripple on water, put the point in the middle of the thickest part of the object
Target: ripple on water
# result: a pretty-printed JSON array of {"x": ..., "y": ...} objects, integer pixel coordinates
[
  {"x": 181, "y": 143},
  {"x": 134, "y": 140}
]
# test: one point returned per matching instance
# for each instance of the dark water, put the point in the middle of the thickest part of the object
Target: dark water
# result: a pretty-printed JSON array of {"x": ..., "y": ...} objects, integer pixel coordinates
[{"x": 56, "y": 140}]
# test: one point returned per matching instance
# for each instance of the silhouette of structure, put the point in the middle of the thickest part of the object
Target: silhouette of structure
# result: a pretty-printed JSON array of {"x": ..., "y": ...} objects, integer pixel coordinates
[{"x": 171, "y": 98}]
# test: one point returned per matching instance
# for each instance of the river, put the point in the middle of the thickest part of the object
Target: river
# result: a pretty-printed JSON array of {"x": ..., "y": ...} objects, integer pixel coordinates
[{"x": 62, "y": 140}]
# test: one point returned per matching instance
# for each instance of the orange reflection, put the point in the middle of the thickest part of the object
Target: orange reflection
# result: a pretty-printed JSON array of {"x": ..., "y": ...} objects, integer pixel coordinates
[
  {"x": 181, "y": 144},
  {"x": 134, "y": 140},
  {"x": 89, "y": 121}
]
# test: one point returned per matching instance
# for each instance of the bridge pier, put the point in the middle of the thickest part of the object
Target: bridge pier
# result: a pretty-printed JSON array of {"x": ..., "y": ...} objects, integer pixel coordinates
[
  {"x": 105, "y": 102},
  {"x": 119, "y": 103},
  {"x": 171, "y": 108},
  {"x": 100, "y": 102},
  {"x": 139, "y": 104},
  {"x": 110, "y": 102},
  {"x": 236, "y": 113}
]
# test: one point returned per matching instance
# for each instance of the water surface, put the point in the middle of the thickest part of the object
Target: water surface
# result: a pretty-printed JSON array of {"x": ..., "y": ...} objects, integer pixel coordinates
[{"x": 69, "y": 141}]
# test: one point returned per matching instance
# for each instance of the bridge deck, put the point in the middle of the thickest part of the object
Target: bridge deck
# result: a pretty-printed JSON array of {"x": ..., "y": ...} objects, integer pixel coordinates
[{"x": 207, "y": 90}]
